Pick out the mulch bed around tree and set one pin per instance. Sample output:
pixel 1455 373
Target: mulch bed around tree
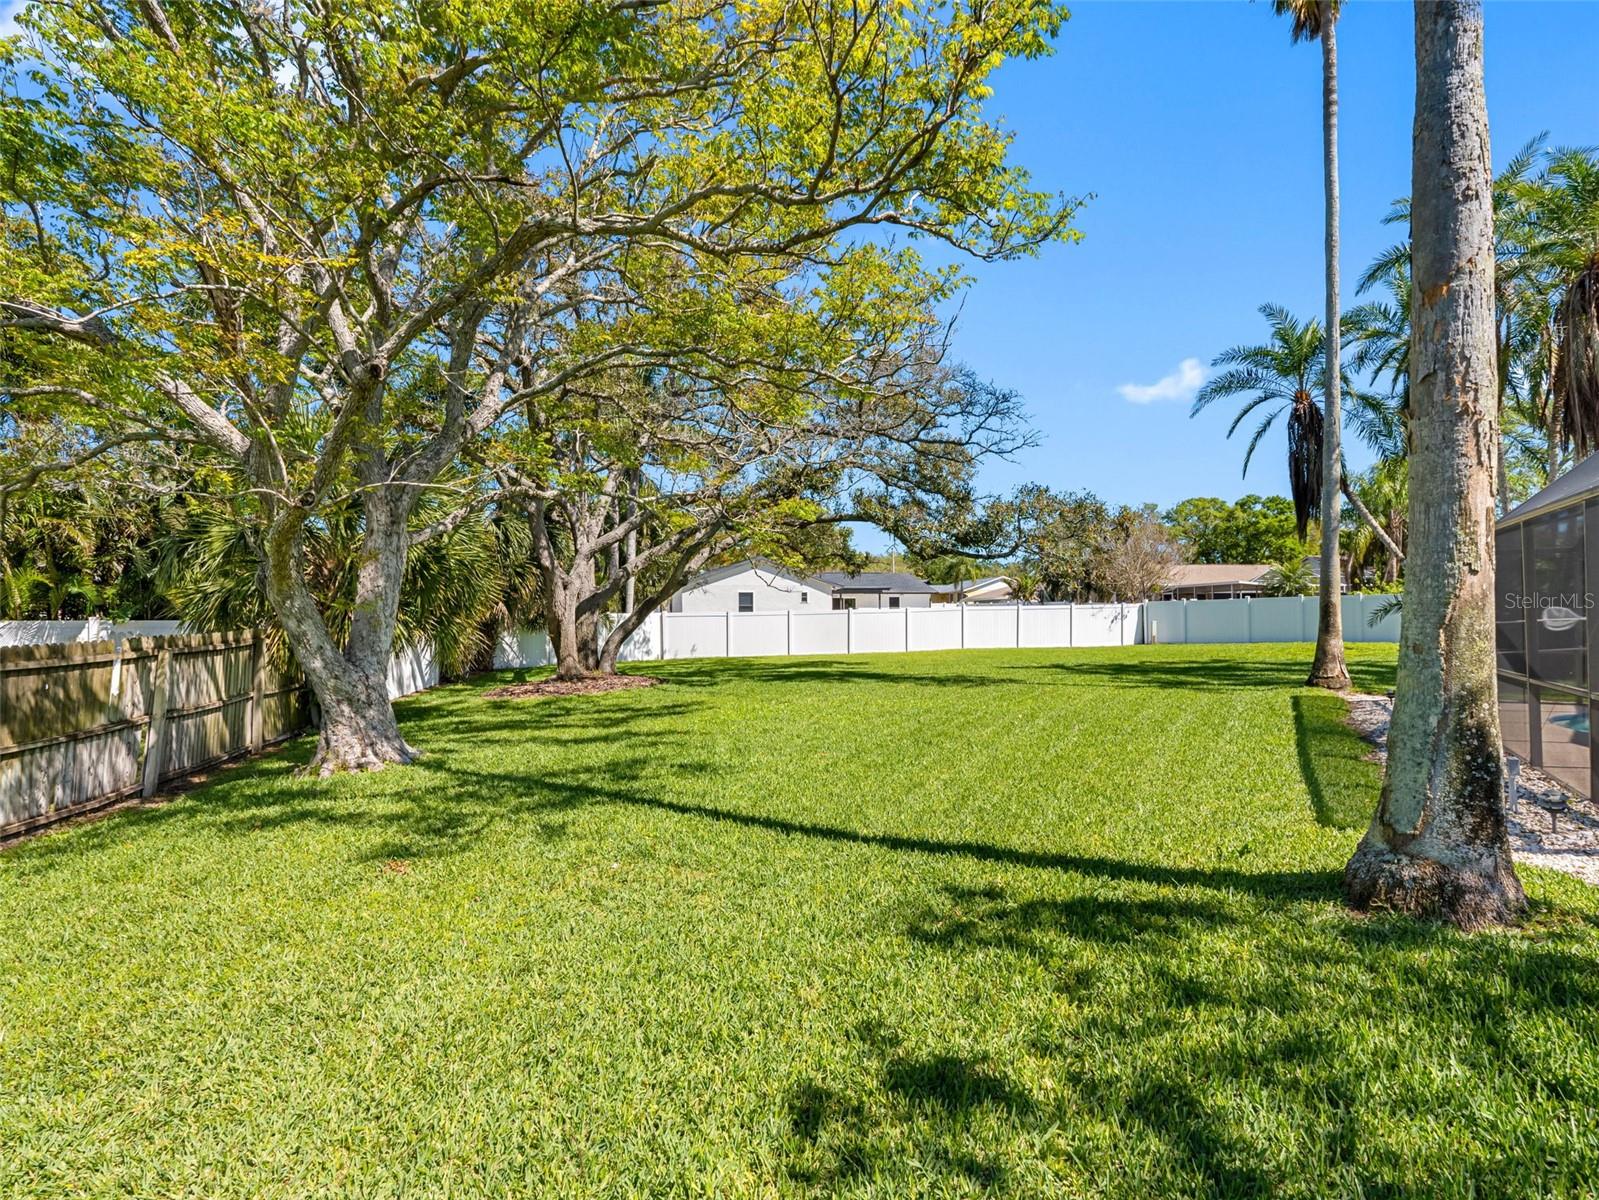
pixel 570 687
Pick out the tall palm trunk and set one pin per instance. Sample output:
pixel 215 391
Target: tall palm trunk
pixel 1328 669
pixel 1437 844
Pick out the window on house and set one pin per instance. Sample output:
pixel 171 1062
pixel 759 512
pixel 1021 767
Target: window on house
pixel 893 601
pixel 805 597
pixel 850 603
pixel 746 602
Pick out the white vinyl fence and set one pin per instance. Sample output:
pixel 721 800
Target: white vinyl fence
pixel 967 627
pixel 1267 619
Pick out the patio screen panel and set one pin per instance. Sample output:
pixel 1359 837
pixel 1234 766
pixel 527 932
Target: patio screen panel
pixel 1543 642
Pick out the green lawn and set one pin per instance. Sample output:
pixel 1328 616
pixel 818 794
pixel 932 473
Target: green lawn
pixel 1028 923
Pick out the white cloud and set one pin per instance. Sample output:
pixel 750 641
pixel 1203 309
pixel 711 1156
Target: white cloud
pixel 1181 384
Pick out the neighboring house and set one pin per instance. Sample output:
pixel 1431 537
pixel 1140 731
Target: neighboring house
pixel 878 589
pixel 995 589
pixel 754 585
pixel 1214 581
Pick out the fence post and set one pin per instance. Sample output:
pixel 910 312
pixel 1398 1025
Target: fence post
pixel 155 737
pixel 727 634
pixel 905 615
pixel 963 624
pixel 849 631
pixel 255 734
pixel 1018 625
pixel 788 646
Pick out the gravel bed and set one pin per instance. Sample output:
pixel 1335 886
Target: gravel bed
pixel 1567 842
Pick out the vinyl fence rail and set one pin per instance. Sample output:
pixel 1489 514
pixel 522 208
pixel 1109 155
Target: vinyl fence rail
pixel 83 724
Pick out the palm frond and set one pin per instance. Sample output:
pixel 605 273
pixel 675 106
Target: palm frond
pixel 1304 461
pixel 1260 432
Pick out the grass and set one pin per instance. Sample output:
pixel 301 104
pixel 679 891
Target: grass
pixel 1030 923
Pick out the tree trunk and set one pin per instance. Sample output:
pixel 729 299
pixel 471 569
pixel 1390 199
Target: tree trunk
pixel 692 557
pixel 1328 669
pixel 1552 465
pixel 1502 386
pixel 573 626
pixel 359 732
pixel 1437 845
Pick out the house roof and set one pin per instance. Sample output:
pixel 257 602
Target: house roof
pixel 1573 485
pixel 763 565
pixel 973 585
pixel 1215 574
pixel 877 581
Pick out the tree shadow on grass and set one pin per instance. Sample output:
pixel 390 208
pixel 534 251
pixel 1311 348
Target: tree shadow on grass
pixel 1179 1066
pixel 439 807
pixel 1143 667
pixel 974 917
pixel 929 1098
pixel 707 673
pixel 629 783
pixel 1335 761
pixel 1283 670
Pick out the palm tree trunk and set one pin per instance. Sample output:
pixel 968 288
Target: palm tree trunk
pixel 1437 845
pixel 1502 385
pixel 1328 669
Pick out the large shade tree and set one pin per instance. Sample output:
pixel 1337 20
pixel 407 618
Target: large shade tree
pixel 1252 529
pixel 669 472
pixel 632 479
pixel 1437 845
pixel 340 242
pixel 1062 534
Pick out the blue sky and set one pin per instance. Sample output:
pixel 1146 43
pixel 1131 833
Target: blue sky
pixel 1197 125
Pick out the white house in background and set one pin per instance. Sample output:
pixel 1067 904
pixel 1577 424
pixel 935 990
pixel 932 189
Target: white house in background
pixel 878 589
pixel 994 589
pixel 754 585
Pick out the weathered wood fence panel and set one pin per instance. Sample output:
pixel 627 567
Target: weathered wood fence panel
pixel 83 724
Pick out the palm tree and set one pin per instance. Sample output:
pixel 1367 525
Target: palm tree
pixel 1384 490
pixel 1437 845
pixel 1317 20
pixel 1278 376
pixel 1379 331
pixel 1378 335
pixel 1561 213
pixel 1291 577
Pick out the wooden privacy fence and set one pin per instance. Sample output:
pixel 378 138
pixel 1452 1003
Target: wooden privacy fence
pixel 86 723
